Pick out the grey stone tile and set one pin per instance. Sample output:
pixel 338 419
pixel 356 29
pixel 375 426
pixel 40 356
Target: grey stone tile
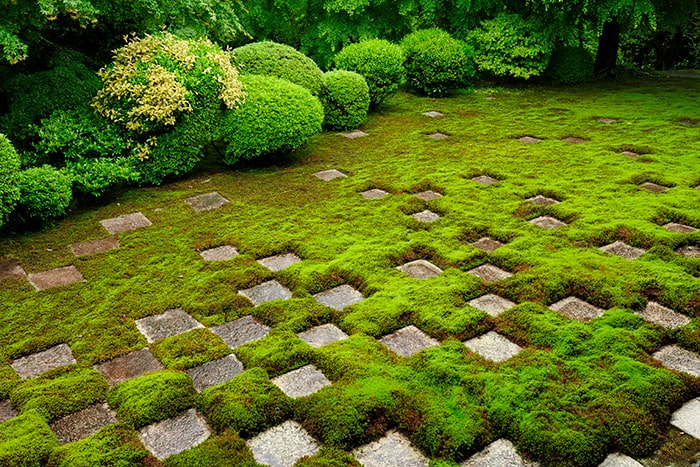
pixel 328 175
pixel 129 366
pixel 425 216
pixel 420 269
pixel 529 140
pixel 283 445
pixel 339 297
pixel 489 273
pixel 11 269
pixel 618 459
pixel 487 244
pixel 301 382
pixel 428 195
pixel 206 202
pixel 540 200
pixel 322 335
pixel 55 277
pixel 547 222
pixel 607 121
pixel 220 253
pixel 172 436
pixel 679 359
pixel 500 453
pixel 39 363
pixel 656 188
pixel 125 223
pixel 679 228
pixel 279 262
pixel 266 292
pixel 81 424
pixel 574 140
pixel 491 304
pixel 393 450
pixel 408 341
pixel 493 346
pixel 241 331
pixel 687 418
pixel 485 180
pixel 631 154
pixel 575 308
pixel 215 372
pixel 94 246
pixel 374 193
pixel 353 134
pixel 623 250
pixel 663 316
pixel 690 251
pixel 170 323
pixel 438 136
pixel 433 114
pixel 7 412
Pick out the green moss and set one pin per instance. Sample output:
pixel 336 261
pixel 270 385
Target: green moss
pixel 329 457
pixel 190 349
pixel 225 450
pixel 26 440
pixel 279 352
pixel 113 445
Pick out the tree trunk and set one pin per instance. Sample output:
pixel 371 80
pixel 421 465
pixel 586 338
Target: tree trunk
pixel 608 43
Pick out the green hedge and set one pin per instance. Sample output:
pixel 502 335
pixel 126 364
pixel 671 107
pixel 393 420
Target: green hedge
pixel 345 98
pixel 9 178
pixel 570 65
pixel 45 194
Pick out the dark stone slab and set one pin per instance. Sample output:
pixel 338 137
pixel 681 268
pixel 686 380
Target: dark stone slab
pixel 663 316
pixel 547 222
pixel 220 253
pixel 540 200
pixel 172 436
pixel 322 335
pixel 420 269
pixel 39 363
pixel 623 250
pixel 656 188
pixel 328 175
pixel 492 304
pixel 168 324
pixel 679 359
pixel 279 262
pixel 241 331
pixel 55 277
pixel 81 424
pixel 374 193
pixel 433 114
pixel 425 216
pixel 7 412
pixel 574 140
pixel 11 269
pixel 206 202
pixel 266 292
pixel 339 297
pixel 408 341
pixel 577 309
pixel 493 346
pixel 487 244
pixel 529 140
pixel 301 382
pixel 690 251
pixel 485 180
pixel 428 195
pixel 125 223
pixel 283 445
pixel 438 136
pixel 679 228
pixel 215 372
pixel 94 246
pixel 129 366
pixel 393 450
pixel 353 134
pixel 489 273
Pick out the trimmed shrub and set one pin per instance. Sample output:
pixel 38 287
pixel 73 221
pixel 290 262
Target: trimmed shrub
pixel 436 63
pixel 280 60
pixel 277 117
pixel 381 64
pixel 26 441
pixel 9 178
pixel 570 65
pixel 345 98
pixel 45 194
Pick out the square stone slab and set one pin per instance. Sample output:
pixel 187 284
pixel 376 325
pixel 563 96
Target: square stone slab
pixel 420 269
pixel 607 121
pixel 491 304
pixel 215 372
pixel 438 136
pixel 663 316
pixel 241 331
pixel 631 154
pixel 529 140
pixel 322 335
pixel 283 445
pixel 172 436
pixel 206 202
pixel 575 308
pixel 489 273
pixel 374 193
pixel 7 412
pixel 39 363
pixel 690 251
pixel 428 195
pixel 540 200
pixel 129 366
pixel 653 187
pixel 408 341
pixel 679 228
pixel 485 180
pixel 339 297
pixel 94 246
pixel 487 244
pixel 500 453
pixel 354 134
pixel 393 450
pixel 266 292
pixel 679 359
pixel 433 114
pixel 623 250
pixel 301 382
pixel 125 223
pixel 425 216
pixel 328 175
pixel 81 424
pixel 11 269
pixel 547 222
pixel 55 277
pixel 279 262
pixel 618 459
pixel 493 346
pixel 168 324
pixel 220 253
pixel 575 140
pixel 687 418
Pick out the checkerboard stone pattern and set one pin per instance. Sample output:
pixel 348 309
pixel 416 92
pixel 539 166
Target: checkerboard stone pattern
pixel 301 382
pixel 529 140
pixel 687 418
pixel 215 372
pixel 618 459
pixel 125 223
pixel 283 445
pixel 339 297
pixel 328 175
pixel 94 246
pixel 408 341
pixel 547 222
pixel 220 253
pixel 206 202
pixel 489 273
pixel 55 278
pixel 172 436
pixel 500 453
pixel 577 309
pixel 39 363
pixel 425 216
pixel 322 335
pixel 666 317
pixel 374 193
pixel 11 269
pixel 393 450
pixel 241 331
pixel 354 134
pixel 493 346
pixel 653 187
pixel 679 228
pixel 279 262
pixel 540 200
pixel 487 244
pixel 7 412
pixel 266 292
pixel 420 269
pixel 131 365
pixel 623 250
pixel 679 359
pixel 428 195
pixel 485 180
pixel 168 324
pixel 491 304
pixel 81 424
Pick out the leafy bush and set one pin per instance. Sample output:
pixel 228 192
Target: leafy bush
pixel 435 62
pixel 345 98
pixel 26 440
pixel 570 65
pixel 278 116
pixel 381 64
pixel 9 178
pixel 45 194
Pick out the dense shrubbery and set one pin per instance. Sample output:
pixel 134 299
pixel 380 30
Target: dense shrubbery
pixel 45 193
pixel 570 65
pixel 345 99
pixel 9 178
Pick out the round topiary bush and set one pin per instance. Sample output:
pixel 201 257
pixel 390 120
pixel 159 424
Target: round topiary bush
pixel 345 98
pixel 9 178
pixel 278 116
pixel 280 60
pixel 381 64
pixel 45 193
pixel 570 65
pixel 436 63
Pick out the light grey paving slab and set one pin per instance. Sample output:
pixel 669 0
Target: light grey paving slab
pixel 206 202
pixel 220 253
pixel 428 195
pixel 690 251
pixel 131 365
pixel 353 134
pixel 489 273
pixel 328 175
pixel 215 372
pixel 408 341
pixel 301 382
pixel 485 180
pixel 425 216
pixel 540 200
pixel 529 140
pixel 663 316
pixel 617 459
pixel 172 436
pixel 266 292
pixel 656 188
pixel 374 193
pixel 493 346
pixel 339 297
pixel 687 418
pixel 81 424
pixel 492 304
pixel 7 412
pixel 487 244
pixel 11 269
pixel 574 140
pixel 241 331
pixel 322 335
pixel 500 453
pixel 420 269
pixel 279 262
pixel 125 223
pixel 94 246
pixel 283 445
pixel 55 277
pixel 393 450
pixel 170 323
pixel 679 359
pixel 679 228
pixel 433 114
pixel 438 136
pixel 631 154
pixel 607 121
pixel 547 222
pixel 623 250
pixel 39 363
pixel 575 308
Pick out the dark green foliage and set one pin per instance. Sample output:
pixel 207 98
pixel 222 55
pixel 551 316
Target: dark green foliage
pixel 9 178
pixel 279 352
pixel 26 441
pixel 224 450
pixel 45 193
pixel 345 98
pixel 113 445
pixel 190 349
pixel 329 457
pixel 570 65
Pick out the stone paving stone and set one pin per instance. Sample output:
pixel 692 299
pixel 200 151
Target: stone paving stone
pixel 322 335
pixel 266 292
pixel 574 140
pixel 433 114
pixel 7 412
pixel 215 372
pixel 206 202
pixel 663 316
pixel 540 200
pixel 618 459
pixel 631 154
pixel 220 253
pixel 129 366
pixel 125 223
pixel 493 346
pixel 529 140
pixel 279 262
pixel 428 195
pixel 679 359
pixel 81 424
pixel 11 269
pixel 500 453
pixel 487 244
pixel 168 324
pixel 690 251
pixel 687 418
pixel 653 187
pixel 374 193
pixel 283 445
pixel 575 308
pixel 491 304
pixel 623 250
pixel 489 273
pixel 94 246
pixel 607 121
pixel 328 175
pixel 425 216
pixel 301 382
pixel 679 228
pixel 55 277
pixel 408 341
pixel 547 222
pixel 353 134
pixel 393 450
pixel 420 269
pixel 39 363
pixel 339 297
pixel 241 331
pixel 172 436
pixel 485 180
pixel 438 136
